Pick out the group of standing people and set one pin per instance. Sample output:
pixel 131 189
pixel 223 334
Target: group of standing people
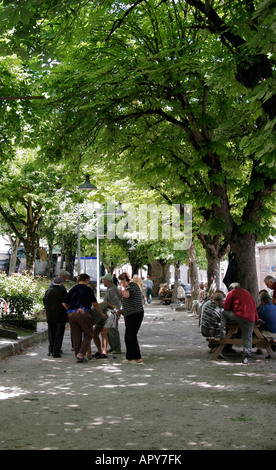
pixel 89 319
pixel 239 307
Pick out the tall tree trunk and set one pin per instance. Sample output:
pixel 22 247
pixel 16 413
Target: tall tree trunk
pixel 30 248
pixel 62 253
pixel 70 262
pixel 213 270
pixel 32 233
pixel 176 278
pixel 193 272
pixel 28 230
pixel 14 247
pixel 49 260
pixel 134 268
pixel 215 252
pixel 159 274
pixel 243 246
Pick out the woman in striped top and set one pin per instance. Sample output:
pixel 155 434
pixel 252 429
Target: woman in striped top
pixel 133 312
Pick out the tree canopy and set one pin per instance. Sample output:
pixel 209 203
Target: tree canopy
pixel 177 95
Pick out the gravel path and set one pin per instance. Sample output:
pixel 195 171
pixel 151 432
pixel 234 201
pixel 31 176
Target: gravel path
pixel 178 400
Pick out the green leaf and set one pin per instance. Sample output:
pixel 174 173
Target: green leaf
pixel 25 16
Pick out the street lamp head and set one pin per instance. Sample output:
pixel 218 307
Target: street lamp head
pixel 120 211
pixel 87 186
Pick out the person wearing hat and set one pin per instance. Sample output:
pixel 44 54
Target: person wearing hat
pixel 63 274
pixel 113 297
pixel 56 316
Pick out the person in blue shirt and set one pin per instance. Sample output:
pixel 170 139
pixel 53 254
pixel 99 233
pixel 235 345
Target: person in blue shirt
pixel 267 313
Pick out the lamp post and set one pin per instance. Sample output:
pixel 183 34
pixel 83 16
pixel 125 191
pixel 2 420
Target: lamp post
pixel 118 212
pixel 87 186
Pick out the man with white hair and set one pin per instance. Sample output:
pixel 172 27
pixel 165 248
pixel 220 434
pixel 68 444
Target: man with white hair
pixel 240 307
pixel 56 316
pixel 270 282
pixel 63 274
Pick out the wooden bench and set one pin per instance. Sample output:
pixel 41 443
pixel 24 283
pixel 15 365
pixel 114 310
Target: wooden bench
pixel 259 340
pixel 166 300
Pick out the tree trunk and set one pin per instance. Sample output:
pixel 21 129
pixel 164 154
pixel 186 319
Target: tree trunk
pixel 159 275
pixel 14 246
pixel 134 268
pixel 213 270
pixel 32 234
pixel 70 262
pixel 49 260
pixel 30 248
pixel 62 253
pixel 176 277
pixel 166 274
pixel 28 232
pixel 243 246
pixel 215 252
pixel 193 272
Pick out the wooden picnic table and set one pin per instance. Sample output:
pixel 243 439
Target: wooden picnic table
pixel 259 340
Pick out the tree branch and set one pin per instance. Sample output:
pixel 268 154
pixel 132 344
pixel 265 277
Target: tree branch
pixel 118 23
pixel 11 224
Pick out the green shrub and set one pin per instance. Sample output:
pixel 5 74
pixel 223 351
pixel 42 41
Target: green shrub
pixel 20 306
pixel 23 293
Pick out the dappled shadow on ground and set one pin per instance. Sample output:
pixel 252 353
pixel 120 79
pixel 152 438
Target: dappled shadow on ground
pixel 179 399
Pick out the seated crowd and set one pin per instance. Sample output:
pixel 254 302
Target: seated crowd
pixel 238 307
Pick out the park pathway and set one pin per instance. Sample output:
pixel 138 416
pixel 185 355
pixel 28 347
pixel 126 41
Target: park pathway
pixel 178 400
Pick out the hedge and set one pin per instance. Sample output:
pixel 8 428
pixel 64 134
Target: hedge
pixel 23 293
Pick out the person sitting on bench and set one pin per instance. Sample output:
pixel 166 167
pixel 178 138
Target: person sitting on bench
pixel 211 316
pixel 267 313
pixel 240 307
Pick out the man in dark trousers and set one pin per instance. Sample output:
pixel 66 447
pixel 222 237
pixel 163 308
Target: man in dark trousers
pixel 56 316
pixel 78 303
pixel 240 307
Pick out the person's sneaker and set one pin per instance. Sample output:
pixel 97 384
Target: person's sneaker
pixel 126 361
pixel 245 360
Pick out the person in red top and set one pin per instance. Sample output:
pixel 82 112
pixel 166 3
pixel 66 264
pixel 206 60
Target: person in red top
pixel 270 282
pixel 239 307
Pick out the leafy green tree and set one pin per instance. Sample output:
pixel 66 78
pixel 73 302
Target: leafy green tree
pixel 14 114
pixel 180 94
pixel 27 193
